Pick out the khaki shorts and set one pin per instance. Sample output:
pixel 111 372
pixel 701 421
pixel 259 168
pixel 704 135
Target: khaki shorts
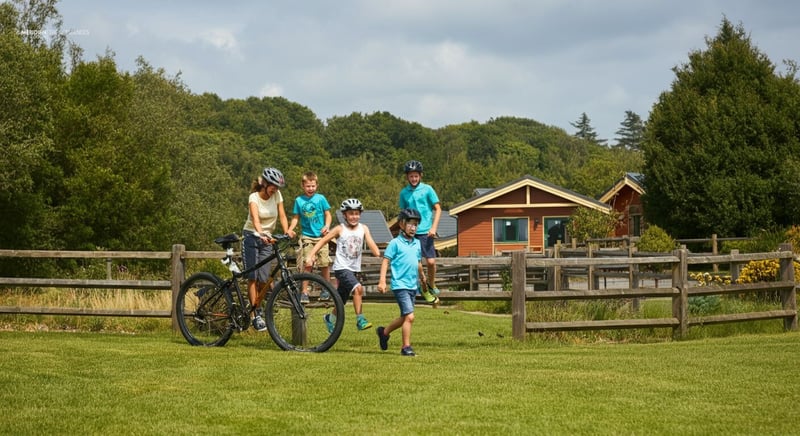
pixel 323 256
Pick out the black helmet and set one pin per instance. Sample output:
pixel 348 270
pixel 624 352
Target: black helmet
pixel 273 176
pixel 408 214
pixel 351 204
pixel 413 165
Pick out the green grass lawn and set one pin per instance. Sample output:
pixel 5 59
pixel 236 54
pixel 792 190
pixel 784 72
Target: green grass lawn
pixel 460 383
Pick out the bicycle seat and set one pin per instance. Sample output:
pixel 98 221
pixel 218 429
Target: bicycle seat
pixel 227 240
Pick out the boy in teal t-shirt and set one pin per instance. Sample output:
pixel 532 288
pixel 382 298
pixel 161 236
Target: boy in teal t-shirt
pixel 313 213
pixel 404 256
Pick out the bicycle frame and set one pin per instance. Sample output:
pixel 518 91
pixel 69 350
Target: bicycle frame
pixel 232 283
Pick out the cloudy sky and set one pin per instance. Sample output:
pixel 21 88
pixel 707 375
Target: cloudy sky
pixel 435 62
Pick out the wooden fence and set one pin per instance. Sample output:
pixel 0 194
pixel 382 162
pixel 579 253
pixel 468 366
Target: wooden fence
pixel 524 274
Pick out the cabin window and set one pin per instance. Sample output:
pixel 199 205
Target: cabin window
pixel 510 230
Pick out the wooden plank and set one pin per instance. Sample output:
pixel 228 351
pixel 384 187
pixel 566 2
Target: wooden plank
pixel 601 293
pixel 78 311
pixel 602 324
pixel 585 262
pixel 738 317
pixel 65 254
pixel 81 283
pixel 739 288
pixel 746 257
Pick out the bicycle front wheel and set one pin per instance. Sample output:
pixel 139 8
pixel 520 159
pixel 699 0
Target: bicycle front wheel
pixel 305 327
pixel 203 309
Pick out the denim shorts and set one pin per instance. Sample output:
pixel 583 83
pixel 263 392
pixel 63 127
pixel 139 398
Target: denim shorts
pixel 405 299
pixel 347 283
pixel 426 246
pixel 253 251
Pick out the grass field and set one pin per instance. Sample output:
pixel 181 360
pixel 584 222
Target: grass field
pixel 462 382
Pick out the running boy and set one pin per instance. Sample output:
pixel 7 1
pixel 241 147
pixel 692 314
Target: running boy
pixel 314 215
pixel 351 236
pixel 405 258
pixel 422 197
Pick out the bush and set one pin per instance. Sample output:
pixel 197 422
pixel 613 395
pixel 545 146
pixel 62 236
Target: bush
pixel 655 239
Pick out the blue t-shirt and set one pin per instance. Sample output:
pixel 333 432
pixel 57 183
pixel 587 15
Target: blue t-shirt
pixel 422 198
pixel 312 213
pixel 404 257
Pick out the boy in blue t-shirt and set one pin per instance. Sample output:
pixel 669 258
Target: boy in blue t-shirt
pixel 422 197
pixel 404 255
pixel 313 213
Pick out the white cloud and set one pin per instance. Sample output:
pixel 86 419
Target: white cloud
pixel 270 90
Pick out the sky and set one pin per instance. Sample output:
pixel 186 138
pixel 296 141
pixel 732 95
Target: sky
pixel 434 62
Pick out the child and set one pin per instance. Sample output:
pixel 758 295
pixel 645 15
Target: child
pixel 351 236
pixel 405 257
pixel 314 214
pixel 422 197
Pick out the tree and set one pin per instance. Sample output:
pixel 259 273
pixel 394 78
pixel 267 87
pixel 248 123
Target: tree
pixel 586 223
pixel 586 131
pixel 631 132
pixel 32 77
pixel 722 145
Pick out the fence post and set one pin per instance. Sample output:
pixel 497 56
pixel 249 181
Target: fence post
pixel 178 274
pixel 680 303
pixel 557 278
pixel 788 298
pixel 592 282
pixel 518 285
pixel 633 277
pixel 735 267
pixel 714 251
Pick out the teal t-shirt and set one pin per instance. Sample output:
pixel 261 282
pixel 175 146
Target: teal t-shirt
pixel 311 211
pixel 404 257
pixel 422 198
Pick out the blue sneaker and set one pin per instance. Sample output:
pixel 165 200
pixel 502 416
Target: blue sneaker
pixel 383 340
pixel 363 324
pixel 304 299
pixel 433 290
pixel 324 295
pixel 408 351
pixel 328 323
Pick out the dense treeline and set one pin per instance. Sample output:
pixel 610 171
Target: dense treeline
pixel 98 158
pixel 92 157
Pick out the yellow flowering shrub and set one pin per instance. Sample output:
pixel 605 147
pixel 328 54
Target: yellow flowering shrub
pixel 707 279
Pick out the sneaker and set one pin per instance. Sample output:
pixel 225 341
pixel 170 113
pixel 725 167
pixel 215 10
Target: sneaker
pixel 363 324
pixel 328 322
pixel 259 324
pixel 324 295
pixel 430 298
pixel 408 351
pixel 383 340
pixel 433 290
pixel 304 299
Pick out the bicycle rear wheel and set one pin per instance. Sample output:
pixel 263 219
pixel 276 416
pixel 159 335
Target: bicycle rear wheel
pixel 203 309
pixel 305 329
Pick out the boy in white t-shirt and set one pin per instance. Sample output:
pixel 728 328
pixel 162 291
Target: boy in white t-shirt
pixel 351 235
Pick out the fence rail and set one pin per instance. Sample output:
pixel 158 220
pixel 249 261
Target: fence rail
pixel 523 273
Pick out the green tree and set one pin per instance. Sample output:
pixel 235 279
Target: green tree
pixel 585 130
pixel 32 77
pixel 722 144
pixel 586 223
pixel 631 132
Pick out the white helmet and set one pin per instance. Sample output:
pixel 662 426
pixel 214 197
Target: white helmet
pixel 273 176
pixel 351 204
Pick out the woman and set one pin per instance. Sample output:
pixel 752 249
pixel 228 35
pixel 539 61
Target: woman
pixel 265 206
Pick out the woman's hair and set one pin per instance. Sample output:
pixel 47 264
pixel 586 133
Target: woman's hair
pixel 256 185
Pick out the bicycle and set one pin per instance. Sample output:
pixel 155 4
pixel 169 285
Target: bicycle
pixel 209 308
